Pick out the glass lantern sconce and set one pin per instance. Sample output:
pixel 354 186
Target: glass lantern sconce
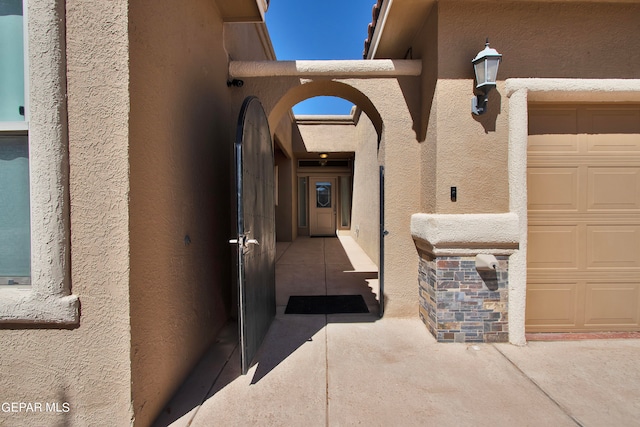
pixel 485 66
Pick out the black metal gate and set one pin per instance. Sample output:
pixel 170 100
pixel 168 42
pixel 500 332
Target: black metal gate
pixel 256 236
pixel 383 233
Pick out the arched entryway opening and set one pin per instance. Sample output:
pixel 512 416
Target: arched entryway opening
pixel 325 87
pixel 336 191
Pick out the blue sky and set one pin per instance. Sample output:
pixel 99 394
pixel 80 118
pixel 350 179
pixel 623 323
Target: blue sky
pixel 319 29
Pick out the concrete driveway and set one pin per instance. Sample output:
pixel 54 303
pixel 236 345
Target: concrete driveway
pixel 345 370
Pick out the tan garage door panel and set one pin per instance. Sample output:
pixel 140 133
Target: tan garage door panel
pixel 553 188
pixel 613 188
pixel 584 218
pixel 551 304
pixel 552 246
pixel 613 247
pixel 608 305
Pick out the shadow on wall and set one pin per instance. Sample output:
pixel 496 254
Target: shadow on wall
pixel 410 87
pixel 287 334
pixel 180 223
pixel 64 408
pixel 494 108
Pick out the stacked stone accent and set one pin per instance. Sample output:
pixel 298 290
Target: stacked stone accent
pixel 460 304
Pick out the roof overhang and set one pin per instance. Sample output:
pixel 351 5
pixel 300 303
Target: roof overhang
pixel 399 21
pixel 396 27
pixel 243 10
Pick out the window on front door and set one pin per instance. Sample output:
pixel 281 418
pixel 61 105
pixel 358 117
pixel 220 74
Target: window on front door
pixel 323 194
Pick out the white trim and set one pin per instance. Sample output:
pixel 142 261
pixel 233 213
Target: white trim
pixel 520 93
pixel 576 90
pixel 14 126
pixel 49 299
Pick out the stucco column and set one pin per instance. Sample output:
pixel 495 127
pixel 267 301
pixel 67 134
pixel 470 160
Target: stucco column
pixel 399 154
pixel 518 204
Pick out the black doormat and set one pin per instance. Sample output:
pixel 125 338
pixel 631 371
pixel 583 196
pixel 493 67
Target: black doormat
pixel 326 304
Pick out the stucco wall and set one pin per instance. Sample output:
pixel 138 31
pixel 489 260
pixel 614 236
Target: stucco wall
pixel 240 40
pixel 471 151
pixel 87 367
pixel 283 133
pixel 541 39
pixel 286 226
pixel 398 102
pixel 365 214
pixel 571 40
pixel 182 129
pixel 426 47
pixel 395 105
pixel 459 149
pixel 330 138
pixel 557 40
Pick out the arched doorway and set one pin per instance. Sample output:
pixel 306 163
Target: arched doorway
pixel 336 161
pixel 386 92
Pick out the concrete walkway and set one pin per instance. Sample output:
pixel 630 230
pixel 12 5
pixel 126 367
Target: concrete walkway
pixel 343 370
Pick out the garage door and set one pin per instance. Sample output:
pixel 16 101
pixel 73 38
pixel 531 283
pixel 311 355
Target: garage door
pixel 583 260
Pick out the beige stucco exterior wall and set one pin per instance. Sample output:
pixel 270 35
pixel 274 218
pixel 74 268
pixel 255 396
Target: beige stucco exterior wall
pixel 471 151
pixel 394 103
pixel 330 138
pixel 572 41
pixel 365 214
pixel 183 126
pixel 342 135
pixel 286 228
pixel 286 208
pixel 426 47
pixel 248 41
pixel 283 132
pixel 398 102
pixel 87 366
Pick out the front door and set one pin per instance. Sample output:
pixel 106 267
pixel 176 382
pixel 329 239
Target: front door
pixel 256 235
pixel 322 209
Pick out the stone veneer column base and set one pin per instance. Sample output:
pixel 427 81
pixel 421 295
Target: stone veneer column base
pixel 460 304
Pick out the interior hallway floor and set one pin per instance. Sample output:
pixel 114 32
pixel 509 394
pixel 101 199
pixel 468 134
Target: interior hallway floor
pixel 346 369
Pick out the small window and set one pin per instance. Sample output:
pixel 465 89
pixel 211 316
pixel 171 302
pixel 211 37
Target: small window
pixel 345 201
pixel 324 163
pixel 323 194
pixel 302 202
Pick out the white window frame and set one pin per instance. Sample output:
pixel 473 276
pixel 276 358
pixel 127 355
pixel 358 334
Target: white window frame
pixel 48 300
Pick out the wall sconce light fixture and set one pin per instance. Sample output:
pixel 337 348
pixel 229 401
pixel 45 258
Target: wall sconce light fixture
pixel 323 155
pixel 485 66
